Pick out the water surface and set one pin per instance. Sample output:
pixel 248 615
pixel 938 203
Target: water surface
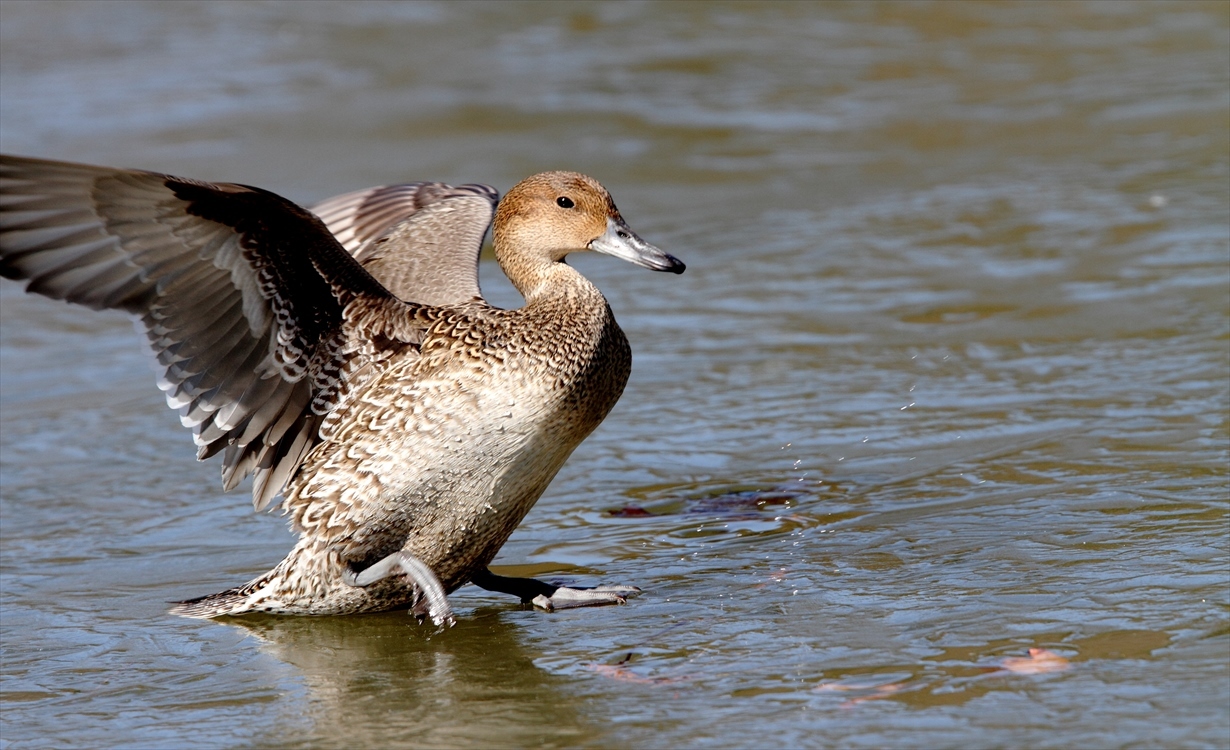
pixel 947 379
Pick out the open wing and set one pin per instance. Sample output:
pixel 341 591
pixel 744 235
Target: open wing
pixel 421 240
pixel 256 314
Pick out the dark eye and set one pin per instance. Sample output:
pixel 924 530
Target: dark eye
pixel 564 202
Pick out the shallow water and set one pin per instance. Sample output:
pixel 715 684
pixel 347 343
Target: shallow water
pixel 947 379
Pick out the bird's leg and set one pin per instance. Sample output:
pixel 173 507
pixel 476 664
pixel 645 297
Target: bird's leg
pixel 549 597
pixel 434 602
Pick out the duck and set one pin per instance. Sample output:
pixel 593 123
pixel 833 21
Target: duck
pixel 344 357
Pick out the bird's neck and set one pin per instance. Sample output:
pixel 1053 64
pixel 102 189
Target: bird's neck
pixel 539 273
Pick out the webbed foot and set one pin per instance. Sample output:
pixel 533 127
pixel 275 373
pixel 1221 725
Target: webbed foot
pixel 434 602
pixel 546 596
pixel 566 598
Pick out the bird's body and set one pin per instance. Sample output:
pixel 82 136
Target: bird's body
pixel 443 453
pixel 397 432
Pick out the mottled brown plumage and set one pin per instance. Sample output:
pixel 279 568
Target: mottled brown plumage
pixel 409 425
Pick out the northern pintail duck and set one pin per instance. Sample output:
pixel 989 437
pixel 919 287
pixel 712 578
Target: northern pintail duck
pixel 347 361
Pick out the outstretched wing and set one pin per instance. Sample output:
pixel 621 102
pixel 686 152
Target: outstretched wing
pixel 255 312
pixel 421 240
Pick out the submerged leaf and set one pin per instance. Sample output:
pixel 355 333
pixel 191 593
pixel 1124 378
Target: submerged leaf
pixel 1039 661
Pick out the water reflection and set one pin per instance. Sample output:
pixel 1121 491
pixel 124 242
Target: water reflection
pixel 382 681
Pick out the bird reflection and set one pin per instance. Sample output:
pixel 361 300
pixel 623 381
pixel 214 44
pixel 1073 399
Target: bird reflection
pixel 381 680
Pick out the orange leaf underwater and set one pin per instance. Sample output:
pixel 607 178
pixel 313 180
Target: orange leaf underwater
pixel 1039 661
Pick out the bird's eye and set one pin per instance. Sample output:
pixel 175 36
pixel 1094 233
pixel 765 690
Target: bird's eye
pixel 564 202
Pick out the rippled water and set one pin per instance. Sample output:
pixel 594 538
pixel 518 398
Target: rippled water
pixel 947 379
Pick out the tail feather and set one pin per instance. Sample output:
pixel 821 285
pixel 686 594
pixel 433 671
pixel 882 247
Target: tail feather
pixel 253 596
pixel 307 582
pixel 234 601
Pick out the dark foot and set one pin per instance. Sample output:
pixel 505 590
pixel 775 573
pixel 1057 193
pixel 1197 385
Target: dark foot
pixel 548 597
pixel 433 603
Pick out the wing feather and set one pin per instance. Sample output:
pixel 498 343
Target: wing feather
pixel 421 240
pixel 246 299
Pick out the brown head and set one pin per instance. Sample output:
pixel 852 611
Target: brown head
pixel 549 215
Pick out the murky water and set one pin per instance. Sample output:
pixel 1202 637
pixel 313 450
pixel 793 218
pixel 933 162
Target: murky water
pixel 947 379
